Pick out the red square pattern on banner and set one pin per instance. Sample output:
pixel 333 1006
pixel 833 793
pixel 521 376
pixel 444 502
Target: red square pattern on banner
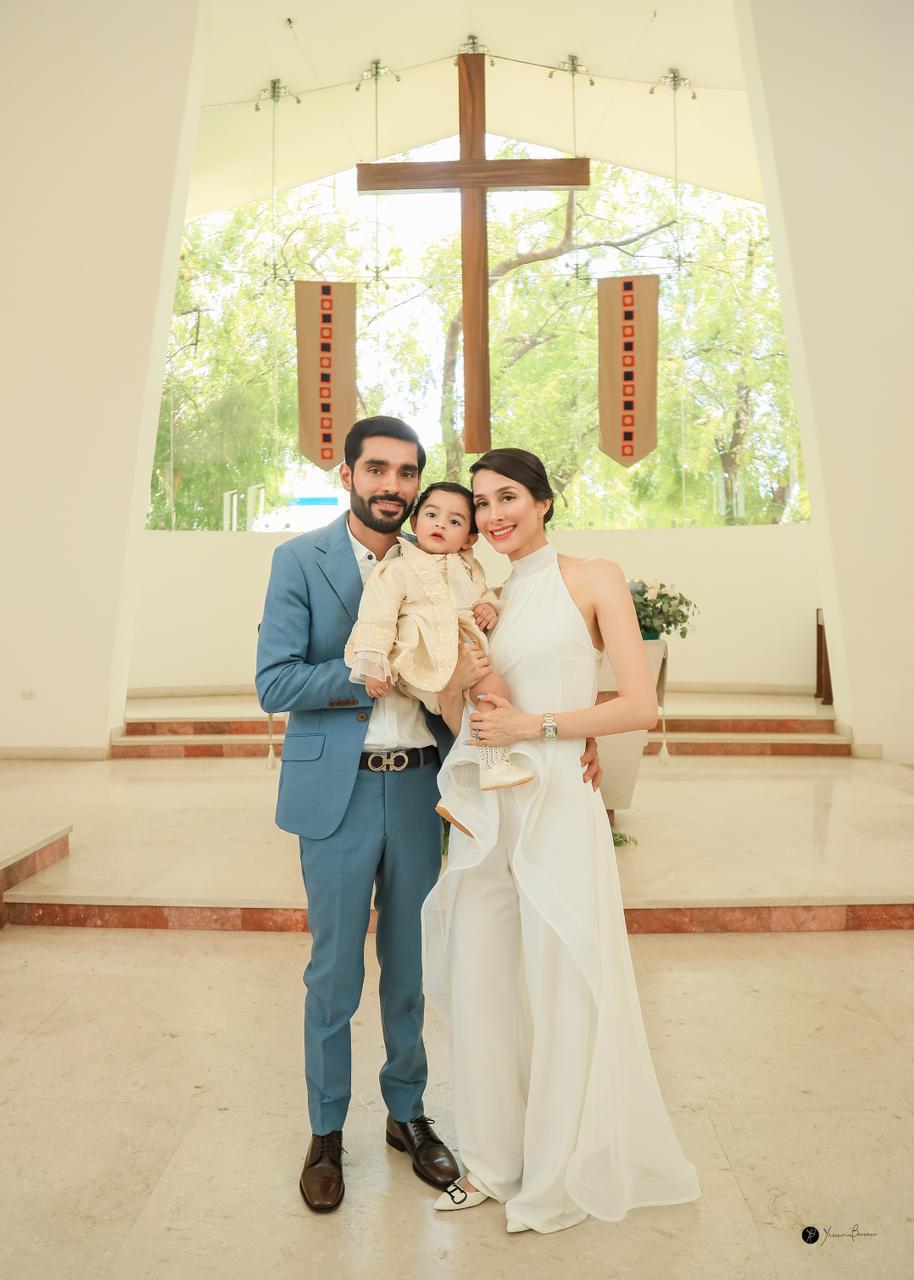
pixel 326 306
pixel 627 295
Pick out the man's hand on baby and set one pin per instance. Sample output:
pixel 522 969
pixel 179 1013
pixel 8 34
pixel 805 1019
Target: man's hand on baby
pixel 486 616
pixel 472 666
pixel 377 688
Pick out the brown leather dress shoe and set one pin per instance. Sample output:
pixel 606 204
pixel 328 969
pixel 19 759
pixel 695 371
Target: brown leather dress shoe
pixel 432 1161
pixel 321 1182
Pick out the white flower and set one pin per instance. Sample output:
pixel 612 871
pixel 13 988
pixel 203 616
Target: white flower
pixel 651 594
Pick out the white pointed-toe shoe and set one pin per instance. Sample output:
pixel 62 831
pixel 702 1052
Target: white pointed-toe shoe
pixel 514 1226
pixel 457 1197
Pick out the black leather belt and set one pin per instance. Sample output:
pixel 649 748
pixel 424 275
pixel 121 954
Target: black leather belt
pixel 395 760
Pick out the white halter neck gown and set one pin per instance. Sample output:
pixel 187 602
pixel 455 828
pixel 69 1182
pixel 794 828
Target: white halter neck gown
pixel 525 952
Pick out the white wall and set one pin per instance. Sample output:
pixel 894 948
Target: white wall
pixel 101 105
pixel 201 597
pixel 829 85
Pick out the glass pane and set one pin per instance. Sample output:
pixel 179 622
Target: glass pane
pixel 728 443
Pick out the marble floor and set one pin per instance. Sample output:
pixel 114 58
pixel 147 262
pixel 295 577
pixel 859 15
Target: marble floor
pixel 711 831
pixel 152 1121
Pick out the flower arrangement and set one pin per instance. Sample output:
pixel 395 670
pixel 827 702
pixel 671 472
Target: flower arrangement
pixel 661 608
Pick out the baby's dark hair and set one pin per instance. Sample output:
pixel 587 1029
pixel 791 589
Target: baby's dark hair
pixel 449 486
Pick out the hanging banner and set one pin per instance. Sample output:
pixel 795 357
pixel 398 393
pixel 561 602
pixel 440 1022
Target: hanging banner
pixel 627 309
pixel 325 341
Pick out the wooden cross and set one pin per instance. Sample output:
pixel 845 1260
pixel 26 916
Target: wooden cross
pixel 472 175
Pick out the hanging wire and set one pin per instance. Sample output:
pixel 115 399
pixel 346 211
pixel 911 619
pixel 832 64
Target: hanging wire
pixel 616 83
pixel 575 67
pixel 376 69
pixel 675 81
pixel 377 156
pixel 676 187
pixel 682 369
pixel 577 390
pixel 275 294
pixel 273 190
pixel 377 124
pixel 290 25
pixel 574 113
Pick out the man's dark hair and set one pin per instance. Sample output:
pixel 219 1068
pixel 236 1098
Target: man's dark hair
pixel 449 486
pixel 524 467
pixel 380 426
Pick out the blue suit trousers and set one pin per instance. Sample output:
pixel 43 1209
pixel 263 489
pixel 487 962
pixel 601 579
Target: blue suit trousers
pixel 388 843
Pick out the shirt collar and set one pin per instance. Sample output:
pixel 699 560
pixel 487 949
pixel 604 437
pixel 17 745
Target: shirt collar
pixel 362 552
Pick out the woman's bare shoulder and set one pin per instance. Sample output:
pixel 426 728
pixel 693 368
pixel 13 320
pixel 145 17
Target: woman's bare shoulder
pixel 597 570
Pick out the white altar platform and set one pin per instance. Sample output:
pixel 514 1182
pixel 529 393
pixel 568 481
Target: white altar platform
pixel 711 831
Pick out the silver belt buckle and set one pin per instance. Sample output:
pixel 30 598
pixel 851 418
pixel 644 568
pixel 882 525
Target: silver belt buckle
pixel 388 761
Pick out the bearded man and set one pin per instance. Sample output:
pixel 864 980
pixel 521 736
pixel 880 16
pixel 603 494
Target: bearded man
pixel 358 787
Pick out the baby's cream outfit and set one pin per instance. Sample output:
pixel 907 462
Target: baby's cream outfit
pixel 414 609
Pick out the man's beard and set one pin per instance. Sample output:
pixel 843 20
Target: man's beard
pixel 373 519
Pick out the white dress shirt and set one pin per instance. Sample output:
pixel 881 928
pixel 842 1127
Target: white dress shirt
pixel 396 720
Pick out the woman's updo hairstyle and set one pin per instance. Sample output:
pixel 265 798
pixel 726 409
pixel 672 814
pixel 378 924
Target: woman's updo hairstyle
pixel 522 466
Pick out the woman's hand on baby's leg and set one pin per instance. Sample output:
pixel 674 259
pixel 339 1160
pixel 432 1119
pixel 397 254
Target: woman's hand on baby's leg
pixel 377 688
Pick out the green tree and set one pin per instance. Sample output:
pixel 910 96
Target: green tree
pixel 728 445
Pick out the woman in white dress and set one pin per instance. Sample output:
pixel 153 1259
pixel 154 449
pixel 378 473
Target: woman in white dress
pixel 557 1107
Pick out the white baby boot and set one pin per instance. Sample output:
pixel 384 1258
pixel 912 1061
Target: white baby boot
pixel 497 771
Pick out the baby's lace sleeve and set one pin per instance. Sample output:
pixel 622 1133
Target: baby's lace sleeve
pixel 369 666
pixel 373 636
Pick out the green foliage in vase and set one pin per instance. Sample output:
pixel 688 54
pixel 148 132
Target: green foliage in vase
pixel 662 608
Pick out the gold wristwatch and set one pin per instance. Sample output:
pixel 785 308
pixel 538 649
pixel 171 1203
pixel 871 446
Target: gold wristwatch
pixel 550 728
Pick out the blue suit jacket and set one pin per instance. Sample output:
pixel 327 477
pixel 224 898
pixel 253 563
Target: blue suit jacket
pixel 311 605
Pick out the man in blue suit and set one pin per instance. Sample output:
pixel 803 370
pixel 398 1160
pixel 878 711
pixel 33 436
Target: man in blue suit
pixel 358 787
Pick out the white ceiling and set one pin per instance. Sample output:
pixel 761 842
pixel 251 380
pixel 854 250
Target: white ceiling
pixel 625 44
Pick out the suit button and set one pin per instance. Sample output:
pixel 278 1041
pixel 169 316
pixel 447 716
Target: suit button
pixel 363 715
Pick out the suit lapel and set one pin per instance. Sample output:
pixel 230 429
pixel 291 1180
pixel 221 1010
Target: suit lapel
pixel 338 564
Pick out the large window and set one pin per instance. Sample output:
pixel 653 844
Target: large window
pixel 728 445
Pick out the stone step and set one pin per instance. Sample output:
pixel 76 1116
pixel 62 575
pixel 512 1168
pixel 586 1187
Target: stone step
pixel 167 727
pixel 751 917
pixel 191 746
pixel 24 851
pixel 748 744
pixel 749 724
pixel 199 746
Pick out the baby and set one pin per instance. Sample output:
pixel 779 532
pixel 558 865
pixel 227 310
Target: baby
pixel 417 607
